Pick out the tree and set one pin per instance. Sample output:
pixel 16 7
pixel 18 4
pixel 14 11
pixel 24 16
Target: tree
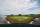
pixel 32 15
pixel 8 16
pixel 26 15
pixel 19 14
pixel 11 14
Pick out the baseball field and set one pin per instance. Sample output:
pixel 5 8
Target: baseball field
pixel 19 19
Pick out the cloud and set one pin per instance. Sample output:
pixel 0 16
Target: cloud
pixel 36 11
pixel 16 6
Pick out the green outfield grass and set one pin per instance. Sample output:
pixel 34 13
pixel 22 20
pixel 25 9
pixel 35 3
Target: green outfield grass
pixel 16 19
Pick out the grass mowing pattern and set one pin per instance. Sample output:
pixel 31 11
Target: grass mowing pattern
pixel 25 20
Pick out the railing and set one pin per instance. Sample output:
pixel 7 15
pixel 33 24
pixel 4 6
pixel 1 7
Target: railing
pixel 18 25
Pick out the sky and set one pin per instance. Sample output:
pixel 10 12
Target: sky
pixel 8 7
